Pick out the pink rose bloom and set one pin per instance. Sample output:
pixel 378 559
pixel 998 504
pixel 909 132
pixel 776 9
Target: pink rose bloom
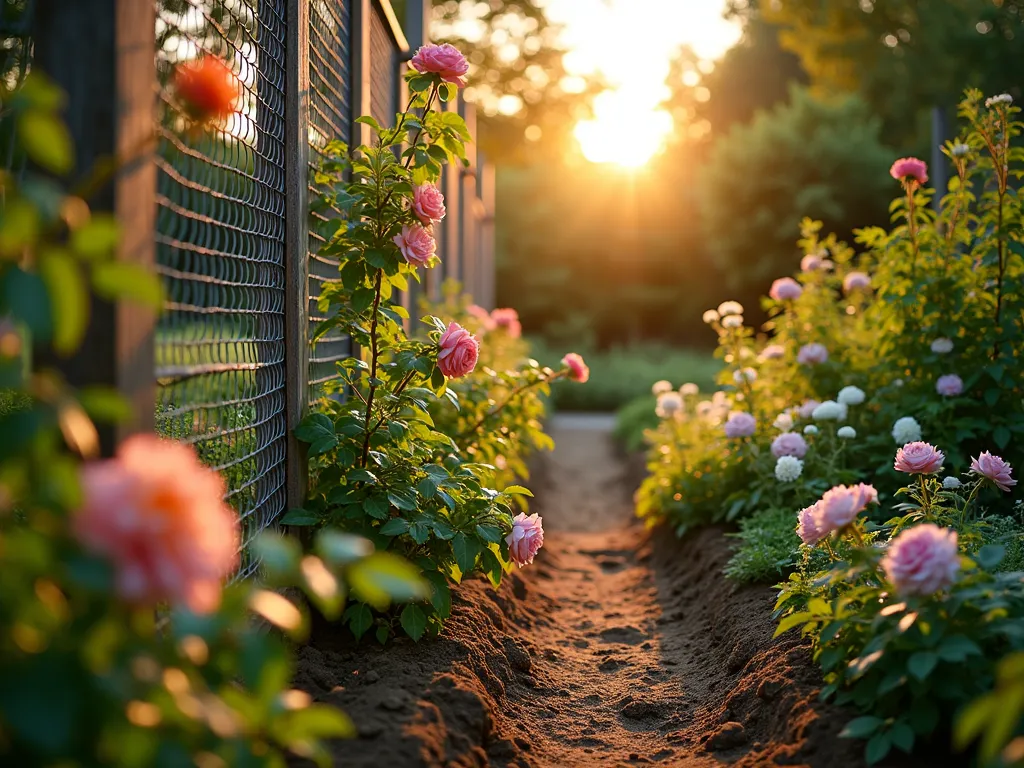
pixel 526 539
pixel 789 444
pixel 740 424
pixel 159 515
pixel 416 244
pixel 444 60
pixel 856 281
pixel 919 459
pixel 785 289
pixel 841 505
pixel 910 168
pixel 812 354
pixel 773 352
pixel 428 203
pixel 810 263
pixel 949 385
pixel 922 560
pixel 995 469
pixel 481 314
pixel 459 352
pixel 807 409
pixel 578 370
pixel 509 320
pixel 807 527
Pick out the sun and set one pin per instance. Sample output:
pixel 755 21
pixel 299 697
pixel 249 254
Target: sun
pixel 623 132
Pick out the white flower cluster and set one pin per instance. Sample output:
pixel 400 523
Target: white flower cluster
pixel 830 410
pixel 670 405
pixel 942 346
pixel 851 396
pixel 661 387
pixel 689 388
pixel 810 429
pixel 1002 98
pixel 951 483
pixel 788 469
pixel 906 430
pixel 846 433
pixel 784 421
pixel 959 149
pixel 742 375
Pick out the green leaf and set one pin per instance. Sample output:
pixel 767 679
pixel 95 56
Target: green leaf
pixel 957 648
pixel 921 663
pixel 489 533
pixel 383 577
pixel 104 404
pixel 46 140
pixel 315 427
pixel 396 526
pixel 342 548
pixel 466 550
pixel 419 531
pixel 377 507
pixel 990 555
pixel 19 227
pixel 359 618
pixel 317 721
pixel 97 238
pixel 298 517
pixel 792 620
pixel 414 621
pixel 383 633
pixel 491 566
pixel 902 736
pixel 426 487
pixel 440 593
pixel 69 300
pixel 861 727
pixel 878 747
pixel 26 297
pixel 123 280
pixel 518 490
pixel 1001 436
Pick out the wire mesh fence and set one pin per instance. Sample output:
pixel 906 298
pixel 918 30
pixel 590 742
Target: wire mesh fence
pixel 15 58
pixel 220 356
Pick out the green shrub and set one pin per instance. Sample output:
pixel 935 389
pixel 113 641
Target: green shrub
pixel 768 547
pixel 633 420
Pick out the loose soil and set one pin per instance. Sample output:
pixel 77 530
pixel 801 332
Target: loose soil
pixel 618 647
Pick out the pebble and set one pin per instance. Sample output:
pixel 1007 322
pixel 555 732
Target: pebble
pixel 371 677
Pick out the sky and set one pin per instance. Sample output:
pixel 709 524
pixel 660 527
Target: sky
pixel 630 43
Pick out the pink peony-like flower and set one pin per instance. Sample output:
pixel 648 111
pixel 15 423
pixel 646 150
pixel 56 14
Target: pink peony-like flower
pixel 919 458
pixel 428 203
pixel 740 424
pixel 807 527
pixel 949 385
pixel 459 352
pixel 445 60
pixel 910 168
pixel 508 319
pixel 159 515
pixel 812 354
pixel 479 313
pixel 578 370
pixel 772 352
pixel 922 560
pixel 526 539
pixel 856 281
pixel 789 444
pixel 810 263
pixel 840 505
pixel 416 244
pixel 807 409
pixel 786 289
pixel 994 468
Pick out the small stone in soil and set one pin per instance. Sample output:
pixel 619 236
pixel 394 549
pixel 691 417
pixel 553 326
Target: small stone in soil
pixel 728 736
pixel 371 677
pixel 523 744
pixel 392 701
pixel 769 689
pixel 581 643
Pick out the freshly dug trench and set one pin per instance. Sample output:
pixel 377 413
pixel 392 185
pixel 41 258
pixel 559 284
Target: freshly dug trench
pixel 618 647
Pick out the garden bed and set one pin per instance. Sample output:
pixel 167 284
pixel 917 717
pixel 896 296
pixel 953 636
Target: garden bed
pixel 618 646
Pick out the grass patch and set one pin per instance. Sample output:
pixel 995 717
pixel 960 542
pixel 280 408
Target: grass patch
pixel 768 547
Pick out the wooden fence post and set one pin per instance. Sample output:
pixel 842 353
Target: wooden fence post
pixel 296 243
pixel 487 236
pixel 102 54
pixel 362 80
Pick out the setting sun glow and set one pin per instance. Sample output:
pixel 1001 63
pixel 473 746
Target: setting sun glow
pixel 630 44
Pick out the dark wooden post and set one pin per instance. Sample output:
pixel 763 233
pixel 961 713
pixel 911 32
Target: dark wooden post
pixel 296 242
pixel 102 54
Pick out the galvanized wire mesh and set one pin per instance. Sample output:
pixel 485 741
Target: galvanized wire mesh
pixel 15 58
pixel 220 354
pixel 330 118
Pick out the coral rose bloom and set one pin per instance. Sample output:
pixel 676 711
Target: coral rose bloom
pixel 919 458
pixel 416 244
pixel 159 515
pixel 481 314
pixel 922 560
pixel 994 468
pixel 785 289
pixel 444 60
pixel 526 539
pixel 508 319
pixel 459 352
pixel 428 203
pixel 207 89
pixel 910 168
pixel 578 370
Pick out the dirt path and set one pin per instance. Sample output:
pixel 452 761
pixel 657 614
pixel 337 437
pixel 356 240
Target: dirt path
pixel 618 647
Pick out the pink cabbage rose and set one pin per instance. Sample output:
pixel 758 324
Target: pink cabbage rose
pixel 789 444
pixel 919 458
pixel 949 385
pixel 159 515
pixel 841 504
pixel 740 424
pixel 910 168
pixel 785 289
pixel 508 319
pixel 459 352
pixel 995 469
pixel 444 60
pixel 481 314
pixel 428 203
pixel 922 560
pixel 526 539
pixel 416 244
pixel 807 527
pixel 856 281
pixel 578 370
pixel 812 354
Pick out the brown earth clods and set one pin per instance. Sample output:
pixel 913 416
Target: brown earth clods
pixel 617 647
